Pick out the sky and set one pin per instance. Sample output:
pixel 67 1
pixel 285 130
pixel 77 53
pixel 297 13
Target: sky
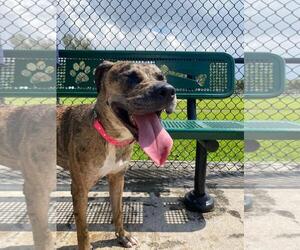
pixel 192 25
pixel 180 25
pixel 35 18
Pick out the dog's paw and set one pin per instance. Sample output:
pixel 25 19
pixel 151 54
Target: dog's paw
pixel 127 240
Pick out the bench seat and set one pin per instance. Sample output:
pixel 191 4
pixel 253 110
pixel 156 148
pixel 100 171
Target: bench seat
pixel 232 130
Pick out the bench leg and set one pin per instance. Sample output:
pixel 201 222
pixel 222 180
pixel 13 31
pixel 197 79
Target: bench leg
pixel 250 146
pixel 197 199
pixel 248 202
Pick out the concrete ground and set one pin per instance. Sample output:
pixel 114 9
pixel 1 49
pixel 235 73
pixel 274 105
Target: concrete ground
pixel 273 222
pixel 155 215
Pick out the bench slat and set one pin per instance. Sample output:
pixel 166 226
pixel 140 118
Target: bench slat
pixel 232 130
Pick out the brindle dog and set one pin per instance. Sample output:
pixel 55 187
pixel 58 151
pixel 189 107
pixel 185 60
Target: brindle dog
pixel 125 90
pixel 28 144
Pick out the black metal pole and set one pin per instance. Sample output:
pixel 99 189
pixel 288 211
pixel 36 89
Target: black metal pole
pixel 201 154
pixel 200 170
pixel 191 109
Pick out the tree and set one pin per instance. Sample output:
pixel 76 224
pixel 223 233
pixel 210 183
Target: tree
pixel 23 41
pixel 71 42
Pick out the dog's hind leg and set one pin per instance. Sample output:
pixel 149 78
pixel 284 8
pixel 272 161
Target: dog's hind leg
pixel 37 202
pixel 116 185
pixel 39 173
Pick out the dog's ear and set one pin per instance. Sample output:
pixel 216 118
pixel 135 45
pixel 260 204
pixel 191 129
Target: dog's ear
pixel 100 72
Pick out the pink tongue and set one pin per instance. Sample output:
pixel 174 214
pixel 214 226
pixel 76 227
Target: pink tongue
pixel 153 138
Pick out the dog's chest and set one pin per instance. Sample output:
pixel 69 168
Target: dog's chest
pixel 111 164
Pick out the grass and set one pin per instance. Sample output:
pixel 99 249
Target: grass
pixel 235 108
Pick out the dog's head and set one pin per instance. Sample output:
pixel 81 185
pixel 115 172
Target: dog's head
pixel 137 94
pixel 132 89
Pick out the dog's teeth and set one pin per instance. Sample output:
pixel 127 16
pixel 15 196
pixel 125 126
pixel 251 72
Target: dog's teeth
pixel 132 120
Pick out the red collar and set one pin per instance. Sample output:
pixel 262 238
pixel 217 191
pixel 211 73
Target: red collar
pixel 100 129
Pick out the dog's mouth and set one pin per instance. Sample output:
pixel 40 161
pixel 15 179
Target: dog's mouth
pixel 147 131
pixel 129 119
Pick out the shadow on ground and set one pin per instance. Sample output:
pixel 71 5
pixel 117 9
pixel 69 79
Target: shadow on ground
pixel 98 244
pixel 148 212
pixel 24 247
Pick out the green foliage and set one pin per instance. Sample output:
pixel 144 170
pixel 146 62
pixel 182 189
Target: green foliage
pixel 239 85
pixel 293 84
pixel 22 41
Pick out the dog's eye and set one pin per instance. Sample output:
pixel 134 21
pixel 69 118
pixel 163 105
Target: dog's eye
pixel 133 77
pixel 160 77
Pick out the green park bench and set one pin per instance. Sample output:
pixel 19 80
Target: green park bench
pixel 195 75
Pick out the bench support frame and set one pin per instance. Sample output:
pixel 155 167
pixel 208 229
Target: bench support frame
pixel 197 199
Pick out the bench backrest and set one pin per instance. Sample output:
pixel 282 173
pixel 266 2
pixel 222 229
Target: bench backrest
pixel 194 74
pixel 264 75
pixel 28 73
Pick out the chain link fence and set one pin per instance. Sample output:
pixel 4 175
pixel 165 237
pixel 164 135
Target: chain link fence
pixel 164 25
pixel 177 25
pixel 273 26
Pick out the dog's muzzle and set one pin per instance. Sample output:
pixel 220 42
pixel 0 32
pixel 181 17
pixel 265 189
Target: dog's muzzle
pixel 160 96
pixel 164 90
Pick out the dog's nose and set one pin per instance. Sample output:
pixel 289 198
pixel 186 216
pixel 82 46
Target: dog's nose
pixel 166 91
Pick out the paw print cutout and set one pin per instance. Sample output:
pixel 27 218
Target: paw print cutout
pixel 164 69
pixel 201 79
pixel 80 72
pixel 38 72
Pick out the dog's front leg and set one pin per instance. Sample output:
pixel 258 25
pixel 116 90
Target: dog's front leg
pixel 116 185
pixel 80 203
